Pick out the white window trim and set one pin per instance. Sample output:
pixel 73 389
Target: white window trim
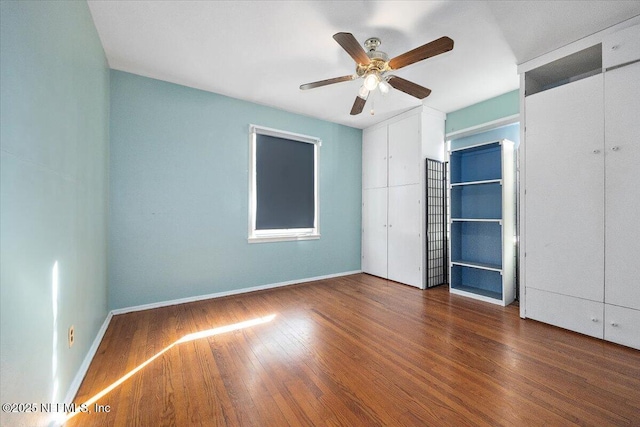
pixel 290 234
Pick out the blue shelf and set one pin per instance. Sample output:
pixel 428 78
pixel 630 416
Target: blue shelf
pixel 479 163
pixel 483 282
pixel 482 222
pixel 476 242
pixel 481 201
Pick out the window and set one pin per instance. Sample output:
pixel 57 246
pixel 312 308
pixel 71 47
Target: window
pixel 283 180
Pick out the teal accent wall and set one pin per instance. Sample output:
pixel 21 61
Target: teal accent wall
pixel 510 132
pixel 483 112
pixel 54 142
pixel 179 181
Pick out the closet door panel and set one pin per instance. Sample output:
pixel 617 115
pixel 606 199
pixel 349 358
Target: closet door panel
pixel 564 192
pixel 405 154
pixel 622 130
pixel 374 231
pixel 374 158
pixel 405 244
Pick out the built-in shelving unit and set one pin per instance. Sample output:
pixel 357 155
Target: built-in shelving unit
pixel 482 223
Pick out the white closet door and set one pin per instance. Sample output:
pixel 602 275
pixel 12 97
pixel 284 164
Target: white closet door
pixel 374 158
pixel 405 244
pixel 564 221
pixel 405 151
pixel 622 127
pixel 374 231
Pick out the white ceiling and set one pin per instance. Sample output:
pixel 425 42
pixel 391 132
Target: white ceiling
pixel 262 51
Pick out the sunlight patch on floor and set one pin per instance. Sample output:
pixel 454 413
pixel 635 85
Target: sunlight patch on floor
pixel 187 338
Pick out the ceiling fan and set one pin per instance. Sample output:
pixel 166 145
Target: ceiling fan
pixel 374 67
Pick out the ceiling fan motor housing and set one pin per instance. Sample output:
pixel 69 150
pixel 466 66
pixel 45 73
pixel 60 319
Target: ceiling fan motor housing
pixel 378 64
pixel 372 43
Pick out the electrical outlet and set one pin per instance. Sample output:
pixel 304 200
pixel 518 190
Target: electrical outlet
pixel 71 336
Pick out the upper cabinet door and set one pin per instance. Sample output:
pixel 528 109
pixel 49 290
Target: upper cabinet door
pixel 374 158
pixel 405 151
pixel 564 219
pixel 622 169
pixel 621 47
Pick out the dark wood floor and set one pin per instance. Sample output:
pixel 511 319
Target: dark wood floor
pixel 357 351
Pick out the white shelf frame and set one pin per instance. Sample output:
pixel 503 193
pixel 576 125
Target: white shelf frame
pixel 507 225
pixel 487 181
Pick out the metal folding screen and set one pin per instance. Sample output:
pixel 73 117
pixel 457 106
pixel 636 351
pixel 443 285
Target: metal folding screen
pixel 437 271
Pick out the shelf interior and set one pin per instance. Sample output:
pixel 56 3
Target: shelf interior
pixel 479 163
pixel 482 282
pixel 483 292
pixel 477 242
pixel 480 201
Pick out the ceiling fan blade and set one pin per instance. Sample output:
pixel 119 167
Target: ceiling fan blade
pixel 327 82
pixel 358 106
pixel 353 48
pixel 408 87
pixel 436 47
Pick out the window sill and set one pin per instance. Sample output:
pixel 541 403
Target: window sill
pixel 282 238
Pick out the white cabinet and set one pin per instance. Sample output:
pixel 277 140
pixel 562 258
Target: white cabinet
pixel 393 195
pixel 374 222
pixel 621 47
pixel 374 155
pixel 577 314
pixel 581 203
pixel 622 325
pixel 565 189
pixel 405 235
pixel 622 153
pixel 405 152
pixel 392 235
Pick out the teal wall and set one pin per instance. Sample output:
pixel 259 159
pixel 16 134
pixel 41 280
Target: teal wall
pixel 178 223
pixel 483 112
pixel 510 132
pixel 54 91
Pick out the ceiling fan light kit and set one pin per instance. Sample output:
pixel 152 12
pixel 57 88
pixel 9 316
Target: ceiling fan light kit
pixel 374 66
pixel 371 81
pixel 363 92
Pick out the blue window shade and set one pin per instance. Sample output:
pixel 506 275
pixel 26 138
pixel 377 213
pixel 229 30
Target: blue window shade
pixel 284 183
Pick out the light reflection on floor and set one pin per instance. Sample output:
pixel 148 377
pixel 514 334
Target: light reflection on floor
pixel 187 338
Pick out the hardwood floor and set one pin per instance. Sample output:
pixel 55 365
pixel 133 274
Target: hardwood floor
pixel 356 351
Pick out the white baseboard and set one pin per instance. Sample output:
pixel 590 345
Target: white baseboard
pixel 226 293
pixel 82 371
